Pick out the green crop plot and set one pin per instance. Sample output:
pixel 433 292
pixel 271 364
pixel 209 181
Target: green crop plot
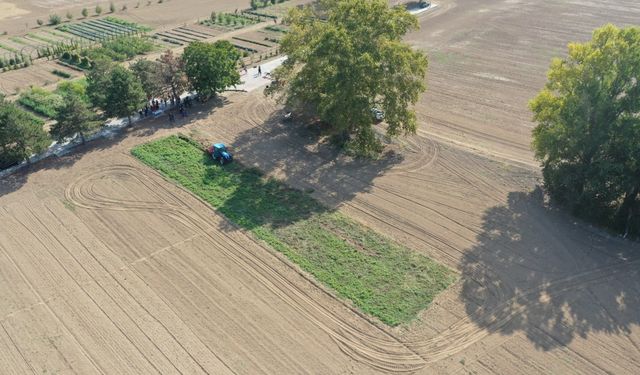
pixel 382 278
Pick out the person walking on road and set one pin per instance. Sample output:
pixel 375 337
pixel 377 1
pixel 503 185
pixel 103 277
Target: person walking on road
pixel 259 71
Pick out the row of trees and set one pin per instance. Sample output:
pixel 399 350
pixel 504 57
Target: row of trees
pixel 206 68
pixel 55 19
pixel 117 91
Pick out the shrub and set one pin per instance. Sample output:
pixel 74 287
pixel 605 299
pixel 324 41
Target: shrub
pixel 112 7
pixel 39 22
pixel 66 55
pixel 98 9
pixel 60 73
pixel 54 19
pixel 85 12
pixel 69 16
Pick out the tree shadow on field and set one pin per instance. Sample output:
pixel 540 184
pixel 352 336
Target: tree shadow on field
pixel 297 153
pixel 530 254
pixel 16 180
pixel 198 111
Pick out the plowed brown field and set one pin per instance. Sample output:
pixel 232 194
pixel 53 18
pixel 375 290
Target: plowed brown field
pixel 105 267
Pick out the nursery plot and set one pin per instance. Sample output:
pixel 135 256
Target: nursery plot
pixel 100 29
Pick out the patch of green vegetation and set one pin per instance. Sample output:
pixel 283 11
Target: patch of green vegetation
pixel 231 20
pixel 69 205
pixel 41 101
pixel 60 73
pixel 76 86
pixel 8 48
pixel 55 33
pixel 277 29
pixel 382 278
pixel 47 103
pixel 41 38
pixel 132 25
pixel 121 49
pixel 21 41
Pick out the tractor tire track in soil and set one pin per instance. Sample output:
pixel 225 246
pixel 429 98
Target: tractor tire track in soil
pixel 381 351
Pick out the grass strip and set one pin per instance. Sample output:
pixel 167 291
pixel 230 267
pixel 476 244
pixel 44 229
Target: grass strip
pixel 382 278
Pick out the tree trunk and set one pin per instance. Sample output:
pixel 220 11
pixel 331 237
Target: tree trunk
pixel 82 137
pixel 129 118
pixel 625 211
pixel 175 95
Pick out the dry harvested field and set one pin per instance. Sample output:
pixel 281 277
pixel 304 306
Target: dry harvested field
pixel 105 267
pixel 17 16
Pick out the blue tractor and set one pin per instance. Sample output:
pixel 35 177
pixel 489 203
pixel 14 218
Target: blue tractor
pixel 219 152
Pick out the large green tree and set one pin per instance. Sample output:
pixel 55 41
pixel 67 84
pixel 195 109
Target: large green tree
pixel 149 73
pixel 74 117
pixel 124 93
pixel 588 132
pixel 211 67
pixel 20 135
pixel 98 81
pixel 346 57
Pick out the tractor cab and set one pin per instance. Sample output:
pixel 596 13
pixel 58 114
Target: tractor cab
pixel 220 153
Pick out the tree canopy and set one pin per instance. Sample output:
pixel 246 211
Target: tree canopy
pixel 74 117
pixel 211 67
pixel 21 135
pixel 149 74
pixel 172 73
pixel 588 132
pixel 98 81
pixel 161 77
pixel 115 89
pixel 124 93
pixel 345 58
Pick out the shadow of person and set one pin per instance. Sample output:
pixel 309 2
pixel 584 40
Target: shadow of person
pixel 557 279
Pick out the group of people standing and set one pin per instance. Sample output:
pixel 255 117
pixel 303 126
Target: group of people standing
pixel 155 105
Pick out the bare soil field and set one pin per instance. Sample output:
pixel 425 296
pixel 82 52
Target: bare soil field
pixel 18 16
pixel 105 267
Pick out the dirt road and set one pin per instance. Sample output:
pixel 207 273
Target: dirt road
pixel 107 268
